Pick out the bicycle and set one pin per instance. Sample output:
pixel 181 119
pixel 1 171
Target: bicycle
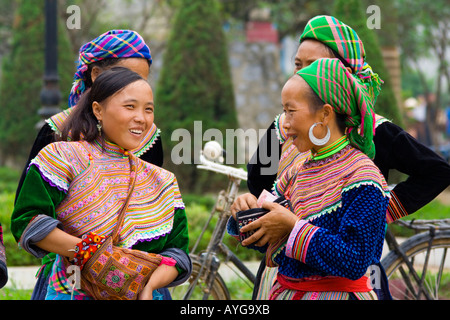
pixel 415 267
pixel 205 281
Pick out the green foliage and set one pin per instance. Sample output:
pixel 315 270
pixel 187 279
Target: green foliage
pixel 14 255
pixel 22 79
pixel 195 84
pixel 352 13
pixel 9 180
pixel 15 294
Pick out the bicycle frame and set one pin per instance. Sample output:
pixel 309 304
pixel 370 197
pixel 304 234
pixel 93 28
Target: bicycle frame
pixel 210 263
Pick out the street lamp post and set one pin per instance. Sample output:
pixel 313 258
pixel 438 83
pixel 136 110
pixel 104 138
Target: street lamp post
pixel 50 94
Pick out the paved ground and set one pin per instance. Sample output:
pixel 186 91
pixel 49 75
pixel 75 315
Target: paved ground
pixel 22 277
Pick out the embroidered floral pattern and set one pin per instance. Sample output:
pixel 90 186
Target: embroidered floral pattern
pixel 115 278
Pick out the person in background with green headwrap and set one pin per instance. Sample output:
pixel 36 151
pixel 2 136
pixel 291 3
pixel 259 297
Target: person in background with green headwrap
pixel 327 37
pixel 338 195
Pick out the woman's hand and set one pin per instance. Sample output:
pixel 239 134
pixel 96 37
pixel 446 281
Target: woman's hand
pixel 146 293
pixel 271 227
pixel 161 277
pixel 243 202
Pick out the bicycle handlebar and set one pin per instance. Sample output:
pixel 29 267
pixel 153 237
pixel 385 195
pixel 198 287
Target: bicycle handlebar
pixel 237 173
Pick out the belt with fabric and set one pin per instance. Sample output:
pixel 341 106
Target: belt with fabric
pixel 338 284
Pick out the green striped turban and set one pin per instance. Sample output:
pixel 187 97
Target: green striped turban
pixel 348 95
pixel 347 44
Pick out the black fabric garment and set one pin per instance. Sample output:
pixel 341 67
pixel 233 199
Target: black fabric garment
pixel 256 181
pixel 45 136
pixel 428 173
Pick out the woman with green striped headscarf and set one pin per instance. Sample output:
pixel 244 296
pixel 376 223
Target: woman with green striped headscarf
pixel 328 37
pixel 348 96
pixel 338 196
pixel 343 43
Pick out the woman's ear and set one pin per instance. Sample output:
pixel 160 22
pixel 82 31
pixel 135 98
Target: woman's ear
pixel 95 72
pixel 327 113
pixel 97 110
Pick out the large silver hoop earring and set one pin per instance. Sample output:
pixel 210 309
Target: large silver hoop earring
pixel 316 141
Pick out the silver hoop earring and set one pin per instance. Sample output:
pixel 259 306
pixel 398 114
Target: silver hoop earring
pixel 316 141
pixel 99 128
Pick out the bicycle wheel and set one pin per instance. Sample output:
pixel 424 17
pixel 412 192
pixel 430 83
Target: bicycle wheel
pixel 431 268
pixel 218 290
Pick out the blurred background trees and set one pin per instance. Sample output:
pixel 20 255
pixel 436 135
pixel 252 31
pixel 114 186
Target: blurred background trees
pixel 22 78
pixel 194 85
pixel 352 12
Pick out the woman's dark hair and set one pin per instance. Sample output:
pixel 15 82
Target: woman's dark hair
pixel 82 122
pixel 103 64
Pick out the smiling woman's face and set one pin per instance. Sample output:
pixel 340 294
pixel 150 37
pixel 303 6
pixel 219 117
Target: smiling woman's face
pixel 127 115
pixel 298 113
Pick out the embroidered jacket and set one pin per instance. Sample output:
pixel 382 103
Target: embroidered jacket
pixel 341 199
pixel 93 180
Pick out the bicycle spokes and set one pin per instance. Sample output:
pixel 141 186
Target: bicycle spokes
pixel 427 277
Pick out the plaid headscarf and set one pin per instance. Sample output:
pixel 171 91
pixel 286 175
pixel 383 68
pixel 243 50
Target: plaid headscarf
pixel 111 44
pixel 348 95
pixel 345 42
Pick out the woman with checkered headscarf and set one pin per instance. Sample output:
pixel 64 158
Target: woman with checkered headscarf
pixel 108 49
pixel 125 48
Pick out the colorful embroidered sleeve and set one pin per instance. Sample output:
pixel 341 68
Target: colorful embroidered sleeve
pixel 348 251
pixel 428 173
pixel 45 186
